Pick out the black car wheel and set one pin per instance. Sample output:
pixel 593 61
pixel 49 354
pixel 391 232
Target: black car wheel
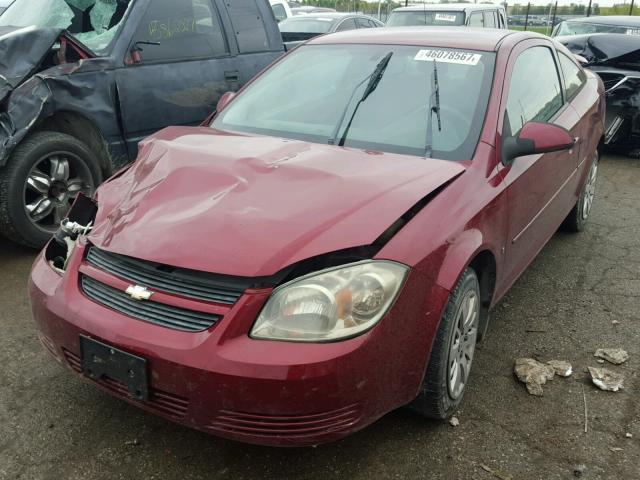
pixel 452 353
pixel 40 182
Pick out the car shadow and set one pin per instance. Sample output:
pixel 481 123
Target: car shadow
pixel 8 249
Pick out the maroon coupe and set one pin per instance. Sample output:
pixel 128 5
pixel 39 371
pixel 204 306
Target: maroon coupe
pixel 328 249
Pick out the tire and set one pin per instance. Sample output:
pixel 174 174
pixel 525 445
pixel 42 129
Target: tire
pixel 439 396
pixel 579 215
pixel 39 183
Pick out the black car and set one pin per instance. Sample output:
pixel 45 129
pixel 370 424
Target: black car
pixel 615 57
pixel 82 81
pixel 304 27
pixel 598 24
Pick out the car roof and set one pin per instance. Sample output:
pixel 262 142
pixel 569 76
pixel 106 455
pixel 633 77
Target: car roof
pixel 486 39
pixel 621 20
pixel 449 7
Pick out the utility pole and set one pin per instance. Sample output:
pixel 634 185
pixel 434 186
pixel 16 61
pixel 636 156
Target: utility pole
pixel 526 18
pixel 589 9
pixel 631 8
pixel 553 20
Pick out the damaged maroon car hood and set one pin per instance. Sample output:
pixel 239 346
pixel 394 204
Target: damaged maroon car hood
pixel 251 205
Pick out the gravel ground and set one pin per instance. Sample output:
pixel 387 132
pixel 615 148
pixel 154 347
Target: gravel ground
pixel 54 426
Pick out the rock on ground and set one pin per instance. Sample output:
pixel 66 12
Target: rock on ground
pixel 606 379
pixel 617 356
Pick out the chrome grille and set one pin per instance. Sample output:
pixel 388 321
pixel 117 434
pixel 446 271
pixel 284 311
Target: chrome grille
pixel 148 311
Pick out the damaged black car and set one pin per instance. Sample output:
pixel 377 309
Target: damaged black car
pixel 83 81
pixel 616 59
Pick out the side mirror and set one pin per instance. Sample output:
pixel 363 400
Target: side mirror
pixel 535 138
pixel 134 54
pixel 225 99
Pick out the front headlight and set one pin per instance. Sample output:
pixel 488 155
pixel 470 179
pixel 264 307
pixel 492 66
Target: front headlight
pixel 332 304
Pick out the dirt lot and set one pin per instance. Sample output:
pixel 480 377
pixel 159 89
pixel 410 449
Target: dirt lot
pixel 54 426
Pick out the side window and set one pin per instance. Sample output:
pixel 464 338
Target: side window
pixel 534 92
pixel 490 19
pixel 248 24
pixel 475 20
pixel 363 22
pixel 574 77
pixel 348 24
pixel 182 30
pixel 279 12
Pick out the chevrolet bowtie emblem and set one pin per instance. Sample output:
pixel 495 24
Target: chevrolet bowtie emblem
pixel 138 292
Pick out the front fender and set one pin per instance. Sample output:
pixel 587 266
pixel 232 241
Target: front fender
pixel 26 106
pixel 459 254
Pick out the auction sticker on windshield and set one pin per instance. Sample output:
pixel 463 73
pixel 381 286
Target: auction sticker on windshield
pixel 448 56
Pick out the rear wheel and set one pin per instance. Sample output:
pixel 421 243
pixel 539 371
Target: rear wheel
pixel 40 182
pixel 453 350
pixel 579 215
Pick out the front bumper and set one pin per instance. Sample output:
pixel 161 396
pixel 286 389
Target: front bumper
pixel 223 382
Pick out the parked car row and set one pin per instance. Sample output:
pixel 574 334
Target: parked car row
pixel 327 246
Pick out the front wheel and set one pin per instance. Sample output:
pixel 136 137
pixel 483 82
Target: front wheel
pixel 453 349
pixel 579 215
pixel 43 177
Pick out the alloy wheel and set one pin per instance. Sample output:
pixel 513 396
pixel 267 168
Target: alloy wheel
pixel 590 190
pixel 52 185
pixel 463 344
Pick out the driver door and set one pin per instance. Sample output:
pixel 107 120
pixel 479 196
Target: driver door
pixel 540 188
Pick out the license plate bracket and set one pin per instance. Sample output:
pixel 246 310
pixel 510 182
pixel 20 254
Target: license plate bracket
pixel 100 360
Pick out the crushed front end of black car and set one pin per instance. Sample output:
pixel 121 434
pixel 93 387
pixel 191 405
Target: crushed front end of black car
pixel 616 59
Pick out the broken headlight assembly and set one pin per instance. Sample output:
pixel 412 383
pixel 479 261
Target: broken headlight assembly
pixel 332 304
pixel 79 223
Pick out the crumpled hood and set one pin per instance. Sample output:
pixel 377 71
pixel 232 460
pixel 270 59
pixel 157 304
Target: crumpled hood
pixel 21 52
pixel 251 205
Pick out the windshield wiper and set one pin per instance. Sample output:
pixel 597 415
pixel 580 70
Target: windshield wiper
pixel 434 107
pixel 374 80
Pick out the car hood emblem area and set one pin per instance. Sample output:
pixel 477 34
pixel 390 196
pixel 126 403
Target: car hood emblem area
pixel 138 292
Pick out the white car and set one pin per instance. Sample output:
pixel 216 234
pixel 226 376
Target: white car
pixel 281 9
pixel 449 15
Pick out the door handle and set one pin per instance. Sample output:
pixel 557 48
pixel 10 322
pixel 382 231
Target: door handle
pixel 233 78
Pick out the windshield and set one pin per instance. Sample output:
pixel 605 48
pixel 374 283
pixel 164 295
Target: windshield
pixel 306 25
pixel 426 17
pixel 93 22
pixel 295 100
pixel 580 28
